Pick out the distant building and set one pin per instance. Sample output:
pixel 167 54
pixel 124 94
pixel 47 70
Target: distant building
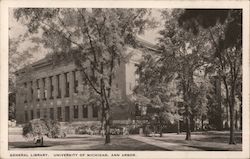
pixel 46 90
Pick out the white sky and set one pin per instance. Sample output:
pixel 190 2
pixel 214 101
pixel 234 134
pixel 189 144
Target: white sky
pixel 16 29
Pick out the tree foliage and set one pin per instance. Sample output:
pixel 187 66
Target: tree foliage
pixel 173 78
pixel 186 54
pixel 225 30
pixel 96 39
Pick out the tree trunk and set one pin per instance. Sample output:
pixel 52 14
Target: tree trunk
pixel 161 130
pixel 195 124
pixel 231 104
pixel 107 125
pixel 102 120
pixel 178 126
pixel 192 123
pixel 188 131
pixel 202 123
pixel 42 141
pixel 241 117
pixel 226 124
pixel 236 120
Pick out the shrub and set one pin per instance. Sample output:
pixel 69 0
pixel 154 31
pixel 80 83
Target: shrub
pixel 90 129
pixel 147 130
pixel 133 129
pixel 116 131
pixel 81 130
pixel 37 128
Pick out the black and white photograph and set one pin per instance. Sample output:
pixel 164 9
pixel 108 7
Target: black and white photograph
pixel 125 79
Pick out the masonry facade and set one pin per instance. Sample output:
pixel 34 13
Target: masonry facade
pixel 53 91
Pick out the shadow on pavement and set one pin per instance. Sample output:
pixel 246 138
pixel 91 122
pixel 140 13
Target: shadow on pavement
pixel 204 148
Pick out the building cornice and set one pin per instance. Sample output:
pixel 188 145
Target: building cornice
pixel 47 61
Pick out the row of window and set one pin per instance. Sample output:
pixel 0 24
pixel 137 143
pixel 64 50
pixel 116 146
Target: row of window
pixel 29 115
pixel 42 84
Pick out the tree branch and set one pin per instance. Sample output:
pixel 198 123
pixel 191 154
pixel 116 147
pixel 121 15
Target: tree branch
pixel 90 82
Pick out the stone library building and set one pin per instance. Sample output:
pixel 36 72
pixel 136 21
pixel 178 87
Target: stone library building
pixel 52 91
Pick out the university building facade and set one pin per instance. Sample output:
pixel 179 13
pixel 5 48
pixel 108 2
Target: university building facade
pixel 46 90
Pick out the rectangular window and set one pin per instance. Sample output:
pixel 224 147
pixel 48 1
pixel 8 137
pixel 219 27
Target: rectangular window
pixel 85 111
pixel 66 85
pixel 51 87
pixel 38 90
pixel 51 112
pixel 58 86
pixel 38 113
pixel 45 90
pixel 26 116
pixel 95 112
pixel 67 115
pixel 59 113
pixel 75 82
pixel 44 113
pixel 31 114
pixel 25 90
pixel 76 111
pixel 31 90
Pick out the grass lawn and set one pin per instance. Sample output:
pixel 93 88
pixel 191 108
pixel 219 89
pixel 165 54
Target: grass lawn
pixel 204 141
pixel 82 142
pixel 201 141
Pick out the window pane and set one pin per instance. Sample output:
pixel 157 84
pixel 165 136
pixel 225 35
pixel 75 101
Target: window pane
pixel 59 114
pixel 85 111
pixel 25 90
pixel 52 113
pixel 38 113
pixel 95 112
pixel 51 88
pixel 75 111
pixel 58 86
pixel 67 113
pixel 31 114
pixel 66 85
pixel 26 116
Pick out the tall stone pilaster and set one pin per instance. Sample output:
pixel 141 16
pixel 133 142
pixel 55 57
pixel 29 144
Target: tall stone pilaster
pixel 41 83
pixel 71 84
pixel 48 87
pixel 80 114
pixel 34 90
pixel 55 84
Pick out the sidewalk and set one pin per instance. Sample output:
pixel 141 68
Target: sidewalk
pixel 165 145
pixel 174 142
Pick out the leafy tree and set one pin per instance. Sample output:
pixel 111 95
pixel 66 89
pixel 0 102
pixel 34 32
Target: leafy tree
pixel 225 29
pixel 96 39
pixel 185 53
pixel 215 99
pixel 153 91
